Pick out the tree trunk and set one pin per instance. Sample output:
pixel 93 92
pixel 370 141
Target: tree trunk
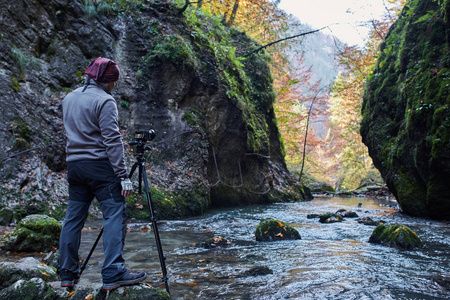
pixel 233 13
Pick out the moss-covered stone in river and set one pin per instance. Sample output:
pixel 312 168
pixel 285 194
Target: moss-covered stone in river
pixel 397 235
pixel 32 289
pixel 35 233
pixel 273 230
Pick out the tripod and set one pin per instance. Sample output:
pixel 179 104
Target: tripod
pixel 140 163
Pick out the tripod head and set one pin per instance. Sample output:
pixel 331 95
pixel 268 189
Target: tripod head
pixel 141 139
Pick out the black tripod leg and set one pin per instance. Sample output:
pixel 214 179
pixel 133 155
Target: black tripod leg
pixel 162 259
pixel 90 253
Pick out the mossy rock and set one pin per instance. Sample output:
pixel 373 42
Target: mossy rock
pixel 25 269
pixel 137 292
pixel 215 242
pixel 35 288
pixel 273 230
pixel 397 235
pixel 321 187
pixel 35 233
pixel 330 218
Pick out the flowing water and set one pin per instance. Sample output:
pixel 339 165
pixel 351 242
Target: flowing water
pixel 331 261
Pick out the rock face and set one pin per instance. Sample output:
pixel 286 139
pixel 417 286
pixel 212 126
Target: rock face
pixel 217 142
pixel 406 113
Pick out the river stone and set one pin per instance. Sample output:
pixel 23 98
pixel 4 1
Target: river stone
pixel 258 271
pixel 24 269
pixel 6 215
pixel 135 292
pixel 347 213
pixel 35 233
pixel 397 235
pixel 215 242
pixel 35 288
pixel 368 221
pixel 330 218
pixel 273 230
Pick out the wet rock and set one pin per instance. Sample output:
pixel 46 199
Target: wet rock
pixel 138 292
pixel 35 288
pixel 346 213
pixel 25 269
pixel 273 230
pixel 215 242
pixel 368 221
pixel 258 271
pixel 330 218
pixel 321 187
pixel 313 216
pixel 35 233
pixel 52 259
pixel 397 235
pixel 6 215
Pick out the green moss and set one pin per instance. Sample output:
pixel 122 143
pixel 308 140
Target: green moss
pixel 173 49
pixel 405 121
pixel 20 144
pixel 272 230
pixel 42 224
pixel 125 104
pixel 398 235
pixel 168 204
pixel 15 84
pixel 195 117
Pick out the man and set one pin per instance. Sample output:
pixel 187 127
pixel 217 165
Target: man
pixel 96 168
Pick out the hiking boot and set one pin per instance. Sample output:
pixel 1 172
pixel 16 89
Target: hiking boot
pixel 129 278
pixel 68 279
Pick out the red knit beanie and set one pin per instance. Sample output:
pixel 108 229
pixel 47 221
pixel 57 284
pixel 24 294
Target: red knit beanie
pixel 103 70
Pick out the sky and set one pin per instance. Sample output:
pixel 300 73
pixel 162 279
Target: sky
pixel 347 13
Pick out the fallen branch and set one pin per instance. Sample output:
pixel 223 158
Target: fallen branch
pixel 283 39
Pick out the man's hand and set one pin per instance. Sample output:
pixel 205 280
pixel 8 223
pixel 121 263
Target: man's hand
pixel 127 187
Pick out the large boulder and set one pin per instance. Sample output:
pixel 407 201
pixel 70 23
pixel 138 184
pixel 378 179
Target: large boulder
pixel 397 235
pixel 273 230
pixel 406 113
pixel 35 233
pixel 25 269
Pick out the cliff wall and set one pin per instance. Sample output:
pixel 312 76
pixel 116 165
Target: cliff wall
pixel 406 113
pixel 217 142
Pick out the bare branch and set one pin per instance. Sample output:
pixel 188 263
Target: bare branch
pixel 283 39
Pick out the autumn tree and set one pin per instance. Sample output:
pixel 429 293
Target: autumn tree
pixel 345 105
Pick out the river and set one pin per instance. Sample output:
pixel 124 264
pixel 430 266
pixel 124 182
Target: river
pixel 331 261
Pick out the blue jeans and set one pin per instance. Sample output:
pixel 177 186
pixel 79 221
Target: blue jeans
pixel 89 179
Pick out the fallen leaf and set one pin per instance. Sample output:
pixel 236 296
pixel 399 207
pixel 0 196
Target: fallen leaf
pixel 279 235
pixel 280 224
pixel 44 264
pixel 192 284
pixel 89 297
pixel 266 231
pixel 45 274
pixel 71 293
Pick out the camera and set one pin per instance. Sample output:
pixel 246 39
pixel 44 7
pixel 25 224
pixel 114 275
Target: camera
pixel 145 135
